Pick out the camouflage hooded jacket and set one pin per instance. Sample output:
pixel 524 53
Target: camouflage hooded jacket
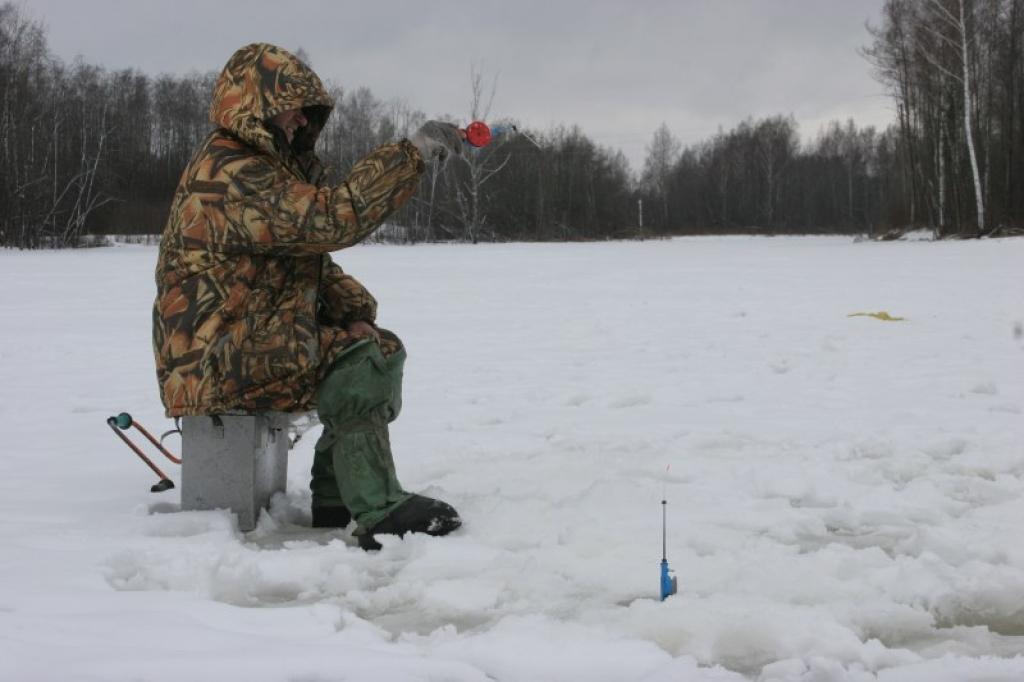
pixel 250 309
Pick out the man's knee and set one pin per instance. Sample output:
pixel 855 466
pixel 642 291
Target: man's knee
pixel 363 384
pixel 390 344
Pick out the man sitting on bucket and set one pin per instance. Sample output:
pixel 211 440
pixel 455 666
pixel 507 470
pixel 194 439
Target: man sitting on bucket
pixel 253 315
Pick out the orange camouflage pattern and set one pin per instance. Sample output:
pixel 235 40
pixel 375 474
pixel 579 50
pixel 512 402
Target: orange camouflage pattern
pixel 250 309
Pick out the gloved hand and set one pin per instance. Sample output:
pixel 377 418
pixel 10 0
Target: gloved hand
pixel 437 138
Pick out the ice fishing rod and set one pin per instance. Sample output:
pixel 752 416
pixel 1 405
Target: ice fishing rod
pixel 669 585
pixel 479 134
pixel 123 422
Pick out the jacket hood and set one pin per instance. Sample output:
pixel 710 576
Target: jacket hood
pixel 259 82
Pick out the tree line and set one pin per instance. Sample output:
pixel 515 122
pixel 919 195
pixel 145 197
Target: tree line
pixel 85 150
pixel 953 161
pixel 955 69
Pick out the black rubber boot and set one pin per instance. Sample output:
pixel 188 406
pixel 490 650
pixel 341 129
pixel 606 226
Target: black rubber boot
pixel 331 517
pixel 418 514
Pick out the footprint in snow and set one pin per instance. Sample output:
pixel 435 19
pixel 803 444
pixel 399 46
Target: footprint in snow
pixel 631 401
pixel 577 400
pixel 985 388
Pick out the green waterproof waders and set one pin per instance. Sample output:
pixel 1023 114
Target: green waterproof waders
pixel 353 466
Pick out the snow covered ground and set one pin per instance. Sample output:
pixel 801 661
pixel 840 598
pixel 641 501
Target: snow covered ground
pixel 845 493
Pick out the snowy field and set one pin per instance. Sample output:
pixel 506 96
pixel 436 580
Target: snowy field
pixel 845 494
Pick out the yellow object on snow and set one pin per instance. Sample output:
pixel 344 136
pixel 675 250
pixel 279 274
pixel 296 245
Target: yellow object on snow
pixel 880 315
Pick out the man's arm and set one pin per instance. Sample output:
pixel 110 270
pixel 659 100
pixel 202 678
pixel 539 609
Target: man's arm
pixel 245 207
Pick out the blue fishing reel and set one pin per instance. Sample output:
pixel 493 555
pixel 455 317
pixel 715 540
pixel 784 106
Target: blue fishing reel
pixel 669 584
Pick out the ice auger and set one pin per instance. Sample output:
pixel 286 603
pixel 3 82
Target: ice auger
pixel 123 422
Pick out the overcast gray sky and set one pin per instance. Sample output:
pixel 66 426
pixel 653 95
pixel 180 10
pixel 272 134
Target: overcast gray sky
pixel 617 69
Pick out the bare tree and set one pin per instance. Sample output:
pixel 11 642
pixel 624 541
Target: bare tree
pixel 481 165
pixel 662 156
pixel 960 42
pixel 892 56
pixel 776 143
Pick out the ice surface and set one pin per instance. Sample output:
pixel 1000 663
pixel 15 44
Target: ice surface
pixel 845 494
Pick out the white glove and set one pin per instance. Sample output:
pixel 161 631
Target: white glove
pixel 437 138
